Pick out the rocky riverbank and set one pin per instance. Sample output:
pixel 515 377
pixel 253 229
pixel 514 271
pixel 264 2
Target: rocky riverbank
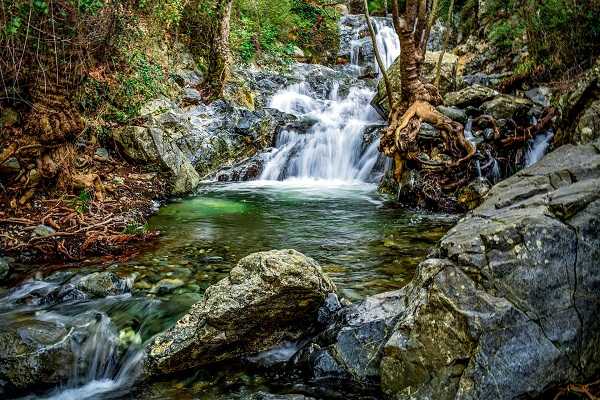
pixel 506 306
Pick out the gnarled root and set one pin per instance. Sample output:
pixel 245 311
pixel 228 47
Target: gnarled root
pixel 401 135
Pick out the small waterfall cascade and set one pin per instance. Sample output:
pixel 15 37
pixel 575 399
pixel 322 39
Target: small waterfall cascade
pixel 98 361
pixel 333 146
pixel 538 147
pixel 387 42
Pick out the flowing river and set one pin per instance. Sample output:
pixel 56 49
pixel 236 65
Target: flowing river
pixel 317 194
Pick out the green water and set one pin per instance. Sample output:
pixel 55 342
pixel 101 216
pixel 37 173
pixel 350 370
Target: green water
pixel 365 245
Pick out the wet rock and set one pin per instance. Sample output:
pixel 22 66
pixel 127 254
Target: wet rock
pixel 471 95
pixel 505 106
pixel 456 114
pixel 350 348
pixel 36 353
pixel 269 297
pixel 429 132
pixel 505 307
pixel 154 145
pixel 473 194
pixel 245 170
pixel 479 78
pixel 167 285
pixel 540 96
pixel 102 284
pixel 4 268
pixel 43 231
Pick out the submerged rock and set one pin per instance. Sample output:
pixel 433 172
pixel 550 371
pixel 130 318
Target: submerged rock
pixel 268 297
pixel 103 284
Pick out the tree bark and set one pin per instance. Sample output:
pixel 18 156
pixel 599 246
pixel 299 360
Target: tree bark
pixel 438 72
pixel 220 54
pixel 400 138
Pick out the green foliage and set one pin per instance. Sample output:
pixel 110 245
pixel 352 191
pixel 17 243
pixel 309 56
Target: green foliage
pixel 560 34
pixel 81 204
pixel 168 12
pixel 136 228
pixel 505 33
pixel 272 28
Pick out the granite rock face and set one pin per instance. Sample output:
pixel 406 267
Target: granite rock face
pixel 269 297
pixel 508 305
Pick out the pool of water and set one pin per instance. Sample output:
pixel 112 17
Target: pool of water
pixel 365 244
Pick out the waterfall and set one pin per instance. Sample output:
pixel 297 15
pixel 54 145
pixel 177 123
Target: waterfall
pixel 538 147
pixel 333 148
pixel 387 41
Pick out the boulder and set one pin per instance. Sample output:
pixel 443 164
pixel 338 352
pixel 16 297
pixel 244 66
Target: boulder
pixel 470 96
pixel 269 297
pixel 35 354
pixel 40 352
pixel 506 106
pixel 505 308
pixel 155 145
pixel 448 75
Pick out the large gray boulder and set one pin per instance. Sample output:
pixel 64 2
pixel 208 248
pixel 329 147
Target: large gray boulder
pixel 507 307
pixel 267 298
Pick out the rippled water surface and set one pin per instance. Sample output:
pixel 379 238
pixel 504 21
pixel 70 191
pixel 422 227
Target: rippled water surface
pixel 364 244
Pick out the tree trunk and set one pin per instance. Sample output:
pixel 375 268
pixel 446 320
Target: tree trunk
pixel 220 54
pixel 400 140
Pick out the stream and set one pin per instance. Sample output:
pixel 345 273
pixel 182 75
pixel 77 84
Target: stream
pixel 317 194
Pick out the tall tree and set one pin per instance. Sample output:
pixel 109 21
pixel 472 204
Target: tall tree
pixel 219 58
pixel 418 99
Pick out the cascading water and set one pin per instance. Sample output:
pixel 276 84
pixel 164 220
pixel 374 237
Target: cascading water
pixel 538 147
pixel 333 148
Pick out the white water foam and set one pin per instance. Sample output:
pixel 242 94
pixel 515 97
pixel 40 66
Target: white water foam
pixel 333 148
pixel 538 148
